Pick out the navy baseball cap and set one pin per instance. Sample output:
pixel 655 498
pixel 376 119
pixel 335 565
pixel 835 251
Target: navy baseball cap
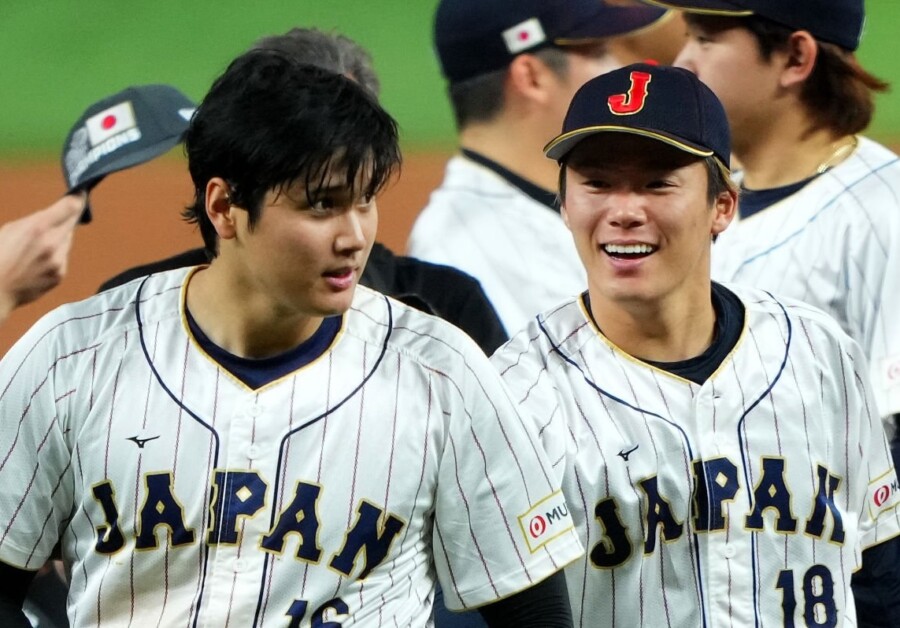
pixel 123 130
pixel 835 21
pixel 474 37
pixel 661 102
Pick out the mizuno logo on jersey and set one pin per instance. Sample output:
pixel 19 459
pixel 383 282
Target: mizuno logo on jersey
pixel 140 442
pixel 546 520
pixel 624 453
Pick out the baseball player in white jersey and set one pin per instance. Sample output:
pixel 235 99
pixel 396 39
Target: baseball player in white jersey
pixel 820 205
pixel 512 67
pixel 258 442
pixel 719 446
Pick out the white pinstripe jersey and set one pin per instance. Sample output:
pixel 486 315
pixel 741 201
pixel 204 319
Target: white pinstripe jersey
pixel 834 244
pixel 182 498
pixel 734 503
pixel 519 249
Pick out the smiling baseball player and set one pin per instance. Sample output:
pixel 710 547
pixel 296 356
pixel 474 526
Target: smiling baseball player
pixel 719 447
pixel 820 204
pixel 259 442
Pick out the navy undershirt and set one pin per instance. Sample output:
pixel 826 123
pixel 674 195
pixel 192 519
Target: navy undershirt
pixel 754 201
pixel 256 373
pixel 729 325
pixel 536 192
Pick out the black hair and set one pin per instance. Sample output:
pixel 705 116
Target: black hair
pixel 268 122
pixel 839 93
pixel 481 98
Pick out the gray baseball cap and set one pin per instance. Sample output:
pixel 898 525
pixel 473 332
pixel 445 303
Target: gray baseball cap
pixel 123 130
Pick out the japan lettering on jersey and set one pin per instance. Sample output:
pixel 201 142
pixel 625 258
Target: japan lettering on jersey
pixel 835 244
pixel 745 501
pixel 327 498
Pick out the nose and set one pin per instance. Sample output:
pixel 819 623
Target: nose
pixel 685 58
pixel 626 210
pixel 353 229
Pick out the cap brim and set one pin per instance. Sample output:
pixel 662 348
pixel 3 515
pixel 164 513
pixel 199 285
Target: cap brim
pixel 611 21
pixel 708 7
pixel 560 146
pixel 126 161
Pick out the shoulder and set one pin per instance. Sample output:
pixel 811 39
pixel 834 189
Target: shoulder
pixel 466 191
pixel 193 257
pixel 790 315
pixel 559 331
pixel 870 177
pixel 80 328
pixel 393 327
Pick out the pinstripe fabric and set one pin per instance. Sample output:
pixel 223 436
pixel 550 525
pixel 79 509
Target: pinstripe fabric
pixel 835 244
pixel 679 490
pixel 482 224
pixel 166 480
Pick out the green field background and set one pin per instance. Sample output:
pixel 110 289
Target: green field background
pixel 58 56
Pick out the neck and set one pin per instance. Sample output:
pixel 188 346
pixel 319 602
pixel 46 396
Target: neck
pixel 239 319
pixel 787 152
pixel 660 332
pixel 514 148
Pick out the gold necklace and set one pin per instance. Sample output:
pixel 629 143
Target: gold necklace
pixel 838 155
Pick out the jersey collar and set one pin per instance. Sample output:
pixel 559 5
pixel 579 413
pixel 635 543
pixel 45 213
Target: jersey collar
pixel 536 192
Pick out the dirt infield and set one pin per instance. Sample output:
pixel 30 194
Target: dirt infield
pixel 136 220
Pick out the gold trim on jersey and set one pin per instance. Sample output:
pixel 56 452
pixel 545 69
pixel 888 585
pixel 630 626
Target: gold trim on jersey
pixel 623 354
pixel 226 372
pixel 627 356
pixel 294 537
pixel 381 529
pixel 701 11
pixel 169 538
pixel 215 497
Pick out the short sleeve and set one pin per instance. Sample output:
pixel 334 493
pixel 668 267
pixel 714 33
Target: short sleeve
pixel 875 488
pixel 501 521
pixel 35 461
pixel 522 365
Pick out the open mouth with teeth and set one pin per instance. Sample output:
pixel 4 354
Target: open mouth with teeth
pixel 629 251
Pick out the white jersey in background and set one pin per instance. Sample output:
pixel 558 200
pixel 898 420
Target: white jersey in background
pixel 335 495
pixel 743 502
pixel 834 244
pixel 517 247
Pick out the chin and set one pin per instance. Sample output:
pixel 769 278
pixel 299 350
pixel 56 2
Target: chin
pixel 337 304
pixel 625 292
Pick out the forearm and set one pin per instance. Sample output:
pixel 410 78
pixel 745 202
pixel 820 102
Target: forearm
pixel 11 616
pixel 13 589
pixel 876 587
pixel 545 605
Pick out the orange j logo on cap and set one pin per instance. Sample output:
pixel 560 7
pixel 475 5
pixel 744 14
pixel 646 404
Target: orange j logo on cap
pixel 633 100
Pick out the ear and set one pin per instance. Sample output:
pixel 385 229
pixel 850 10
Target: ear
pixel 724 211
pixel 219 209
pixel 530 78
pixel 801 54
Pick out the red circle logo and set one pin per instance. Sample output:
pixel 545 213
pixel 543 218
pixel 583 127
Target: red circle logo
pixel 882 494
pixel 537 526
pixel 108 122
pixel 894 371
